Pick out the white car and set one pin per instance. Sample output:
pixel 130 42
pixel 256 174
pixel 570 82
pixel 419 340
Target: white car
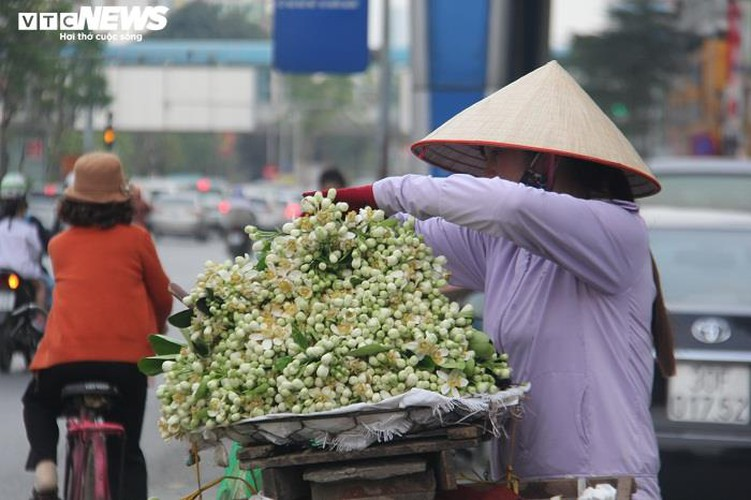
pixel 704 259
pixel 702 182
pixel 179 214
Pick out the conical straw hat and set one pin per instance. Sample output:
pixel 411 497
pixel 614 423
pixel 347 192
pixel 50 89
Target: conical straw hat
pixel 546 111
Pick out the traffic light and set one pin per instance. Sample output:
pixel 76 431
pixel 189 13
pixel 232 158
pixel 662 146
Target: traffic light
pixel 109 137
pixel 620 111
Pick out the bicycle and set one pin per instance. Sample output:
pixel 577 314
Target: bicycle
pixel 86 460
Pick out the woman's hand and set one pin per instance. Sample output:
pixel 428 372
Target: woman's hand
pixel 356 197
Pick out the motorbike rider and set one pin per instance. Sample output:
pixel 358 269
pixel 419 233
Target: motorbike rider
pixel 240 215
pixel 22 239
pixel 332 177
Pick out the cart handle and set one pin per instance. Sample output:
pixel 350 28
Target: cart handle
pixel 177 291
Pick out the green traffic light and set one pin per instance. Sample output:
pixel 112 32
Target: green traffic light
pixel 619 110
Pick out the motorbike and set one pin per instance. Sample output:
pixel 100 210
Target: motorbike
pixel 236 239
pixel 237 242
pixel 18 310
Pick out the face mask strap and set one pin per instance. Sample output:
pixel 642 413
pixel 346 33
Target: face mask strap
pixel 543 180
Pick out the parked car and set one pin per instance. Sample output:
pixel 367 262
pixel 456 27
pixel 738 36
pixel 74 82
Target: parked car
pixel 273 204
pixel 702 181
pixel 704 258
pixel 179 214
pixel 151 187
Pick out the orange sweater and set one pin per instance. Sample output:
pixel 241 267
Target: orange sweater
pixel 110 294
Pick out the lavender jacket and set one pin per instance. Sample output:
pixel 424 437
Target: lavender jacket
pixel 568 295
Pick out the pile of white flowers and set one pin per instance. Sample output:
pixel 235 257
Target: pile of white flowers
pixel 336 308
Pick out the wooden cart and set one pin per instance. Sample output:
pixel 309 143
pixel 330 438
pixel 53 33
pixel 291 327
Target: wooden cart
pixel 419 466
pixel 410 468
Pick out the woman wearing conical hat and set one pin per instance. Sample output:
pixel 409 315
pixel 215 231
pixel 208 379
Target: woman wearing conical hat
pixel 540 216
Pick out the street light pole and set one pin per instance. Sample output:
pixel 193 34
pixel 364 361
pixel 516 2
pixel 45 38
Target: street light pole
pixel 385 94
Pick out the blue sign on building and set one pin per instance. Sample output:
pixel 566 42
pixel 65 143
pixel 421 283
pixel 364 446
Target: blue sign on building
pixel 321 35
pixel 457 47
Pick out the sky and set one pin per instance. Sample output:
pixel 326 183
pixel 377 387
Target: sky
pixel 575 16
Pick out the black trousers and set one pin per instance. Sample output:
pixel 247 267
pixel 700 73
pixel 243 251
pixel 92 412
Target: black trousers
pixel 42 406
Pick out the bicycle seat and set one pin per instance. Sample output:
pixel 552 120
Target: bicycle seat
pixel 92 395
pixel 91 388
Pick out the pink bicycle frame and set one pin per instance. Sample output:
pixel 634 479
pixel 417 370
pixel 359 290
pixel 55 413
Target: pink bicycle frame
pixel 84 434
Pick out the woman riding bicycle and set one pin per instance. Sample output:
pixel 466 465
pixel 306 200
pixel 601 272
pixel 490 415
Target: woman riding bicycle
pixel 111 292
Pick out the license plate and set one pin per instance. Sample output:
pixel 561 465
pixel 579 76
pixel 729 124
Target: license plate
pixel 7 300
pixel 709 393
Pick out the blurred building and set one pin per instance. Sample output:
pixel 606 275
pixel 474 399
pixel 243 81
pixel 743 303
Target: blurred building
pixel 228 87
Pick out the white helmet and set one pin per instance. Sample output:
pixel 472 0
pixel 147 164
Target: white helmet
pixel 14 185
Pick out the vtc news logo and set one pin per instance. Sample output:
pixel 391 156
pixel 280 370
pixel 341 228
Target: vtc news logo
pixel 98 19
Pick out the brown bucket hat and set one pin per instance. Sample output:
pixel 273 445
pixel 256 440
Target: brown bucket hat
pixel 546 111
pixel 98 178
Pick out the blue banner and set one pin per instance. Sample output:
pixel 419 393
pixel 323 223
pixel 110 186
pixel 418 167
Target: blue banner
pixel 321 36
pixel 457 49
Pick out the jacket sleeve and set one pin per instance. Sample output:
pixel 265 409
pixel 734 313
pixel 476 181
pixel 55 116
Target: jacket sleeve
pixel 157 282
pixel 601 243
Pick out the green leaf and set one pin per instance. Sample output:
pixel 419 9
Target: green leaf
pixel 426 363
pixel 450 364
pixel 200 347
pixel 261 264
pixel 202 305
pixel 259 389
pixel 202 390
pixel 368 350
pixel 300 338
pixel 181 319
pixel 163 344
pixel 282 362
pixel 152 365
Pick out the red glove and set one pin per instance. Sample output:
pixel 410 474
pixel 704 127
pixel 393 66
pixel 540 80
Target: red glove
pixel 356 197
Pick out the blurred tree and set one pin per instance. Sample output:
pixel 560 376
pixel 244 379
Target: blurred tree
pixel 199 20
pixel 44 81
pixel 148 153
pixel 25 67
pixel 79 85
pixel 627 69
pixel 324 104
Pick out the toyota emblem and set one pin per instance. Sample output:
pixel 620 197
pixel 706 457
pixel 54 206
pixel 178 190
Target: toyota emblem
pixel 711 330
